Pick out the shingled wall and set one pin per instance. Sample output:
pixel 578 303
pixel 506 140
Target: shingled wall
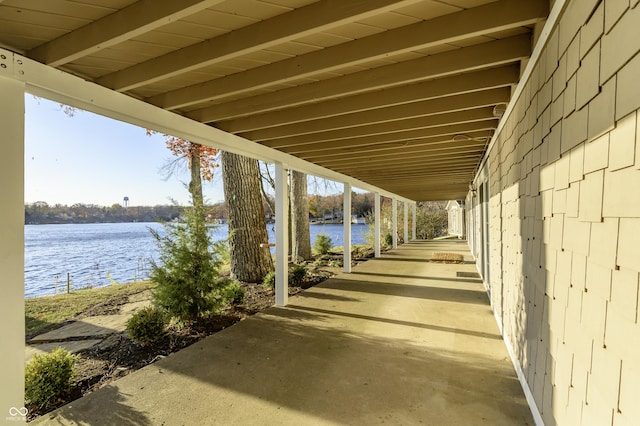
pixel 564 219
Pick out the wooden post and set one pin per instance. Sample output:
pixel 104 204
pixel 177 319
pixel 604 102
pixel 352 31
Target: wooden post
pixel 282 236
pixel 346 226
pixel 12 246
pixel 376 225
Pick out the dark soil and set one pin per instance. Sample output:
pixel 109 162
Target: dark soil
pixel 120 356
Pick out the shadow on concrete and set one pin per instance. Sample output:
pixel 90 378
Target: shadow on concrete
pixel 276 369
pixel 399 322
pixel 420 277
pixel 397 360
pixel 416 259
pixel 458 295
pixel 394 258
pixel 326 296
pixel 119 413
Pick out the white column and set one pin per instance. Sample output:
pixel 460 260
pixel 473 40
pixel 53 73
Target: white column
pixel 413 224
pixel 12 245
pixel 394 222
pixel 376 224
pixel 405 229
pixel 282 237
pixel 346 225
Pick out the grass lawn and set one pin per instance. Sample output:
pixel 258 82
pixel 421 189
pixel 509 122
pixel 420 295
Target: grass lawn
pixel 40 312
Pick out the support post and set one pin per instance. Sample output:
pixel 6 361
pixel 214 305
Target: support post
pixel 414 225
pixel 405 228
pixel 282 237
pixel 12 247
pixel 346 225
pixel 376 225
pixel 394 222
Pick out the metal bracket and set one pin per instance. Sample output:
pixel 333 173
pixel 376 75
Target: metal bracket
pixel 10 66
pixel 6 63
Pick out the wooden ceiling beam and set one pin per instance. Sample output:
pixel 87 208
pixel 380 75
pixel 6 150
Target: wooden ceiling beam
pixel 409 158
pixel 428 170
pixel 477 21
pixel 418 159
pixel 138 18
pixel 449 118
pixel 368 159
pixel 460 173
pixel 390 140
pixel 316 17
pixel 484 55
pixel 431 89
pixel 424 108
pixel 382 161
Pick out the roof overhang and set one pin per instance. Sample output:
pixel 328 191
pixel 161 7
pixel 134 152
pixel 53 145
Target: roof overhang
pixel 396 96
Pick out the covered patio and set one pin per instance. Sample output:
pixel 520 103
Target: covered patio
pixel 400 340
pixel 338 89
pixel 529 110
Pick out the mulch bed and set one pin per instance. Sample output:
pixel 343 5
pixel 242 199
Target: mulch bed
pixel 101 365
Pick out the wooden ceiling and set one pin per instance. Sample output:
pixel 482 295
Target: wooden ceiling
pixel 401 94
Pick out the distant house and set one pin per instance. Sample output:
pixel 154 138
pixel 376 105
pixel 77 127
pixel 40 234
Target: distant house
pixel 455 210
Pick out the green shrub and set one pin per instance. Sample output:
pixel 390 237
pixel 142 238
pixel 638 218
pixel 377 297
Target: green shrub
pixel 297 274
pixel 188 281
pixel 322 243
pixel 269 282
pixel 48 376
pixel 234 293
pixel 146 325
pixel 388 240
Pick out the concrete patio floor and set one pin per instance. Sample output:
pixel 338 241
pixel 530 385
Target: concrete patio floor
pixel 398 341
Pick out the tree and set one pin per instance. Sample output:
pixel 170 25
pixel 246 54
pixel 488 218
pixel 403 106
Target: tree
pixel 247 227
pixel 188 282
pixel 201 162
pixel 301 241
pixel 299 236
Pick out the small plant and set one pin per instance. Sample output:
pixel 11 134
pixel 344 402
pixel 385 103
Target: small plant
pixel 233 293
pixel 269 281
pixel 48 376
pixel 146 325
pixel 335 263
pixel 322 243
pixel 297 274
pixel 111 280
pixel 388 240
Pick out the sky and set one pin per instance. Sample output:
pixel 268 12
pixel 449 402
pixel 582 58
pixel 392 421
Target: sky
pixel 92 159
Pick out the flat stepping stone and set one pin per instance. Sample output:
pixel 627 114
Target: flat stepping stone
pixel 98 326
pixel 142 296
pixel 131 307
pixel 73 347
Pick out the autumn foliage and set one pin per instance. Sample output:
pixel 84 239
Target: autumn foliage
pixel 183 148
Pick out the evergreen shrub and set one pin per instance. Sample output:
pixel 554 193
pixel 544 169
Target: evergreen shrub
pixel 48 376
pixel 269 282
pixel 234 293
pixel 188 281
pixel 297 274
pixel 322 244
pixel 146 325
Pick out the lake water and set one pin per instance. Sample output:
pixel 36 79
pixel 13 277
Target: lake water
pixel 91 253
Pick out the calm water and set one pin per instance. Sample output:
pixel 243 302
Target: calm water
pixel 92 253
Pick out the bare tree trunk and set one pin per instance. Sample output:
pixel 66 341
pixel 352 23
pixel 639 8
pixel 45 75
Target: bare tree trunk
pixel 195 185
pixel 247 228
pixel 301 241
pixel 195 188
